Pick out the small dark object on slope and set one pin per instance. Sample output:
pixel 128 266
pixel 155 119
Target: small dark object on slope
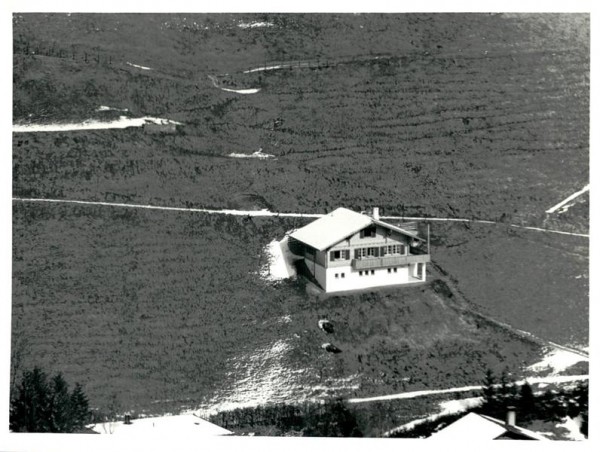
pixel 331 348
pixel 326 326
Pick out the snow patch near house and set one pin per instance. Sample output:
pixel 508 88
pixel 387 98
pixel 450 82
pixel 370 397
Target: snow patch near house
pixel 447 407
pixel 145 68
pixel 573 426
pixel 280 263
pixel 255 155
pixel 255 24
pixel 122 123
pixel 264 380
pixel 557 360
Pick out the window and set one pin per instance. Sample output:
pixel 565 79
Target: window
pixel 372 272
pixel 337 275
pixel 368 232
pixel 339 255
pixel 389 270
pixel 393 249
pixel 360 273
pixel 395 269
pixel 343 275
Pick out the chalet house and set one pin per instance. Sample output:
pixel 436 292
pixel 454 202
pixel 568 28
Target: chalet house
pixel 345 250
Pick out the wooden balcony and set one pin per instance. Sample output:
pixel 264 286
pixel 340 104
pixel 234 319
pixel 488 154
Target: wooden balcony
pixel 389 261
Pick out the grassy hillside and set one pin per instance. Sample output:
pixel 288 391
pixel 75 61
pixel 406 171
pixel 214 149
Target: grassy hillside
pixel 159 309
pixel 468 115
pixel 536 282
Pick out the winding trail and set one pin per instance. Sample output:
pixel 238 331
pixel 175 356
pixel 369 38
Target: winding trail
pixel 268 213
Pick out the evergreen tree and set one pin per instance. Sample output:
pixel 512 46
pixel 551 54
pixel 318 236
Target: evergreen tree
pixel 526 405
pixel 30 410
pixel 79 408
pixel 489 388
pixel 60 405
pixel 42 406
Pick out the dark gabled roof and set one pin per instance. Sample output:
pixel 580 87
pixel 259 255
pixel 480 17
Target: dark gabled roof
pixel 338 225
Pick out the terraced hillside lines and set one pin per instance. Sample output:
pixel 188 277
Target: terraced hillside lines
pixel 493 104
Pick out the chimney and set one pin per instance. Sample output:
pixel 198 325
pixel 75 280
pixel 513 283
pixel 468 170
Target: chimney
pixel 376 213
pixel 511 416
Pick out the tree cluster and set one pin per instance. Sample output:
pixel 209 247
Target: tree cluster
pixel 43 404
pixel 552 405
pixel 332 418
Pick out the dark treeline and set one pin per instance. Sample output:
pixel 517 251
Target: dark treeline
pixel 309 419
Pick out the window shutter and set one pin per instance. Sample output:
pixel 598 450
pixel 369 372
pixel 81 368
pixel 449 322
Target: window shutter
pixel 331 256
pixel 357 253
pixel 362 234
pixel 382 251
pixel 346 254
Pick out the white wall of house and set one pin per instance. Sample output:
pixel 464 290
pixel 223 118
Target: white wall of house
pixel 353 280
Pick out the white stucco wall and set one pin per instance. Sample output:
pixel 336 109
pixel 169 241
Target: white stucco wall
pixel 352 279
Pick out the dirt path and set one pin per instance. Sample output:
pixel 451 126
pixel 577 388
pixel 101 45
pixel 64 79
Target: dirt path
pixel 414 394
pixel 267 213
pixel 467 220
pixel 570 198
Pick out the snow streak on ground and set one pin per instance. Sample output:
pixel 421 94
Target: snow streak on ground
pixel 413 394
pixel 122 123
pixel 139 67
pixel 280 261
pixel 570 198
pixel 263 68
pixel 215 83
pixel 255 155
pixel 573 426
pixel 447 407
pixel 106 108
pixel 557 360
pixel 255 24
pixel 241 91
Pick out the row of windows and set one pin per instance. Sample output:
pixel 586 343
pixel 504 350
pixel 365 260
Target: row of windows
pixel 372 251
pixel 366 272
pixel 337 275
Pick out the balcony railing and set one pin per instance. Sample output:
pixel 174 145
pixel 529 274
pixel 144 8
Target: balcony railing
pixel 389 261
